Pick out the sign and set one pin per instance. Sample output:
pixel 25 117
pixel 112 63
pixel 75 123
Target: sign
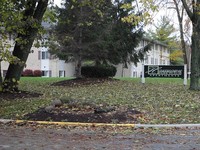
pixel 162 71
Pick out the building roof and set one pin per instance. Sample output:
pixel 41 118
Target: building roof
pixel 155 41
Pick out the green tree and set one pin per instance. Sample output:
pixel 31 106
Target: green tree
pixel 78 30
pixel 7 23
pixel 125 35
pixel 25 29
pixel 164 32
pixel 96 31
pixel 194 15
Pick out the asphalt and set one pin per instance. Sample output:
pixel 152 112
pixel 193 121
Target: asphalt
pixel 186 137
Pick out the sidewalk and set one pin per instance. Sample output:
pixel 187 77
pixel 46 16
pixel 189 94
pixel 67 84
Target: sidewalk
pixel 45 138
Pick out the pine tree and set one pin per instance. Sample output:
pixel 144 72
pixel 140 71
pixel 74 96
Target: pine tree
pixel 89 30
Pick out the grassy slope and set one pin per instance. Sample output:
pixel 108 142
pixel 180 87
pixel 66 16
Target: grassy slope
pixel 162 100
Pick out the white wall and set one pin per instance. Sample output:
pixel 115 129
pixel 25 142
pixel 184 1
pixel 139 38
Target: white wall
pixel 158 55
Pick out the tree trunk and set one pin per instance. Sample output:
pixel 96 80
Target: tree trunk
pixel 78 57
pixel 22 48
pixel 21 51
pixel 78 67
pixel 195 56
pixel 1 80
pixel 195 63
pixel 180 13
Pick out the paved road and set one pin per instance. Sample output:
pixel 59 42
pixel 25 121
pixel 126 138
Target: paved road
pixel 45 138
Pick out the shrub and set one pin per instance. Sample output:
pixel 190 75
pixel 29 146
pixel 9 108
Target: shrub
pixel 37 73
pixel 98 71
pixel 27 73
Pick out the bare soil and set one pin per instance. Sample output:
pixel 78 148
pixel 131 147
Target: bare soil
pixel 18 95
pixel 80 113
pixel 83 81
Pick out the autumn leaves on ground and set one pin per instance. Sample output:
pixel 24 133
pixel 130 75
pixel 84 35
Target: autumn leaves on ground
pixel 103 100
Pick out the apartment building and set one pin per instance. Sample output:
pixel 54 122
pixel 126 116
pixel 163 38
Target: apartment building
pixel 40 59
pixel 158 55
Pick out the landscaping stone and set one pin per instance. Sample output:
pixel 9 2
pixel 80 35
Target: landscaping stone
pixel 56 103
pixel 49 108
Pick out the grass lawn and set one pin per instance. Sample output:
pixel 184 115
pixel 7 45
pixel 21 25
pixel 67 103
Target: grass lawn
pixel 161 100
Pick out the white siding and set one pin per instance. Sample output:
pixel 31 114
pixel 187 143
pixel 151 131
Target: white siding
pixel 158 55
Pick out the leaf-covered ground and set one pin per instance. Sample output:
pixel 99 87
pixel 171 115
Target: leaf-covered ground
pixel 159 101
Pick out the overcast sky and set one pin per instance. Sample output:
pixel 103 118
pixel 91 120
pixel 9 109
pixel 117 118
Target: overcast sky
pixel 163 11
pixel 57 2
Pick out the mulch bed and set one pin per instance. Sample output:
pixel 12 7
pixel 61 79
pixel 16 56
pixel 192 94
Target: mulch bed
pixel 86 114
pixel 84 81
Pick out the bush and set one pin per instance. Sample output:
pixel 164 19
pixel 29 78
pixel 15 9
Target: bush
pixel 37 73
pixel 27 73
pixel 98 71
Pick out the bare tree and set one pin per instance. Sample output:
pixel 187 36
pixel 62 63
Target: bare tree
pixel 180 14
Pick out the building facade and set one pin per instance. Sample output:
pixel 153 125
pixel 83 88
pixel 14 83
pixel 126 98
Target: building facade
pixel 157 55
pixel 40 59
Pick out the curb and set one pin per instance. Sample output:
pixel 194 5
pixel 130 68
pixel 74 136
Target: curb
pixel 166 125
pixel 68 123
pixel 4 121
pixel 77 123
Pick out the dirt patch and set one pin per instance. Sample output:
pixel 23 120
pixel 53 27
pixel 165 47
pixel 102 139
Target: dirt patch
pixel 86 113
pixel 83 81
pixel 18 95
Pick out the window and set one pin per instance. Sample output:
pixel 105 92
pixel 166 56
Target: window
pixel 45 55
pixel 141 43
pixel 156 61
pixel 164 49
pixel 156 47
pixel 161 48
pixel 152 47
pixel 146 60
pixel 39 55
pixel 61 73
pixel 50 73
pixel 45 73
pixel 163 62
pixel 152 61
pixel 135 74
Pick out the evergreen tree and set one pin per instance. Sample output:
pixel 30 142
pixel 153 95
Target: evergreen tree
pixel 75 30
pixel 94 30
pixel 125 36
pixel 164 32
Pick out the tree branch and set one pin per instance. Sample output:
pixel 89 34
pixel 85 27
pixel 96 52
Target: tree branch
pixel 189 12
pixel 40 9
